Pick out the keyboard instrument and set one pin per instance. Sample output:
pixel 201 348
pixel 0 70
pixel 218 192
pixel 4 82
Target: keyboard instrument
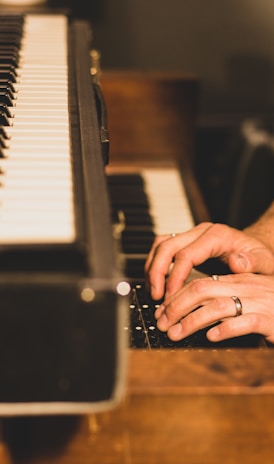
pixel 61 290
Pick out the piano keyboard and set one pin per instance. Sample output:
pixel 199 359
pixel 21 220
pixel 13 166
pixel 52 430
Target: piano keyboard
pixel 168 201
pixel 63 297
pixel 151 202
pixel 36 193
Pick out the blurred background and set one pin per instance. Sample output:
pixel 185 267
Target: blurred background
pixel 229 45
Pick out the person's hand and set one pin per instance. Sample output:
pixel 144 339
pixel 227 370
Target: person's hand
pixel 249 296
pixel 241 252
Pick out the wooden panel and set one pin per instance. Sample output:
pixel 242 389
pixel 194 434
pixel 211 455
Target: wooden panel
pixel 152 122
pixel 151 116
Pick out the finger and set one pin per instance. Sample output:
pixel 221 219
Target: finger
pixel 203 292
pixel 215 311
pixel 238 326
pixel 153 249
pixel 258 259
pixel 218 240
pixel 195 294
pixel 157 287
pixel 186 237
pixel 149 260
pixel 162 253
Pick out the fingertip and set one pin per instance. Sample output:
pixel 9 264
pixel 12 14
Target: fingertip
pixel 240 263
pixel 159 311
pixel 175 332
pixel 162 323
pixel 213 334
pixel 155 292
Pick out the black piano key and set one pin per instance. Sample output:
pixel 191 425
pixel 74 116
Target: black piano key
pixel 11 39
pixel 128 179
pixel 12 51
pixel 134 268
pixel 127 194
pixel 137 242
pixel 10 30
pixel 8 75
pixel 137 217
pixel 5 98
pixel 5 109
pixel 2 142
pixel 4 120
pixel 9 92
pixel 8 85
pixel 134 217
pixel 3 133
pixel 8 59
pixel 8 68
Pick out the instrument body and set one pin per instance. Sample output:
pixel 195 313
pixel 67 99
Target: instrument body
pixel 62 316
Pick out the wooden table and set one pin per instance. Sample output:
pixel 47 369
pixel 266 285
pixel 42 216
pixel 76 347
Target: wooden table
pixel 193 407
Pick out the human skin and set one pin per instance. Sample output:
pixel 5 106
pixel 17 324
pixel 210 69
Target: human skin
pixel 250 257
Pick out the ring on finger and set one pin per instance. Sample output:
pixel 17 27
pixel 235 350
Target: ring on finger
pixel 215 277
pixel 238 306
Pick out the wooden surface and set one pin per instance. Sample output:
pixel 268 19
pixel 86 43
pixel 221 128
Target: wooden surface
pixel 192 407
pixel 196 407
pixel 152 122
pixel 151 116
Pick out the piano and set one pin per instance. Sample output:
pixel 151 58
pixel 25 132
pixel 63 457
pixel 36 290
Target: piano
pixel 180 405
pixel 63 295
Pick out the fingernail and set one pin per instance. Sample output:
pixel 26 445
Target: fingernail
pixel 175 331
pixel 243 261
pixel 213 334
pixel 153 291
pixel 159 311
pixel 162 323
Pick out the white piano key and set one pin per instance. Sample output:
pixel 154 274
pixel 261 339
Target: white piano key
pixel 169 205
pixel 36 182
pixel 34 152
pixel 46 130
pixel 57 165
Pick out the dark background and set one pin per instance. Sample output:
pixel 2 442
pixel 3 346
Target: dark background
pixel 228 44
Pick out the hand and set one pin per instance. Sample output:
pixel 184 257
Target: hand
pixel 241 252
pixel 214 303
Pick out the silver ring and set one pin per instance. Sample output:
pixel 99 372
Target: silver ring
pixel 215 277
pixel 238 306
pixel 172 235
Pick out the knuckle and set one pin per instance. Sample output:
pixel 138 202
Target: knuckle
pixel 220 304
pixel 253 321
pixel 158 242
pixel 182 254
pixel 218 229
pixel 199 286
pixel 204 225
pixel 172 307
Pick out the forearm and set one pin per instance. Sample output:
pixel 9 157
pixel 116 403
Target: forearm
pixel 263 228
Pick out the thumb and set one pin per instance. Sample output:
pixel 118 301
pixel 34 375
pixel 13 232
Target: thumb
pixel 259 260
